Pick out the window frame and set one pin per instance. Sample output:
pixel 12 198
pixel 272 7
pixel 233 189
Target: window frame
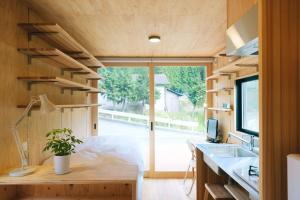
pixel 239 98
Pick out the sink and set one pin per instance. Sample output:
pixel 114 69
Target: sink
pixel 212 151
pixel 229 151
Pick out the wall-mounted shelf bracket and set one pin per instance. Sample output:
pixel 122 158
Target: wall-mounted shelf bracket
pixel 63 70
pixel 79 73
pixel 249 65
pixel 40 34
pixel 94 67
pixel 72 89
pixel 29 84
pixel 71 53
pixel 30 57
pixel 81 58
pixel 92 79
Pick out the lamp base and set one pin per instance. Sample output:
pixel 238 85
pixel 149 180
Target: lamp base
pixel 22 171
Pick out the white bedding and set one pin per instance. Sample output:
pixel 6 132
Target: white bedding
pixel 110 149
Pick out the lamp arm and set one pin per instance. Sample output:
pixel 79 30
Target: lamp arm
pixel 15 132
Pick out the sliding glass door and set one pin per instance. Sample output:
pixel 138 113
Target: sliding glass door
pixel 180 93
pixel 160 108
pixel 124 111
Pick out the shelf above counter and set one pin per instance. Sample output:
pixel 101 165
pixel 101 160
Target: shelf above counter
pixel 239 64
pixel 216 91
pixel 220 109
pixel 67 63
pixel 64 84
pixel 216 76
pixel 57 37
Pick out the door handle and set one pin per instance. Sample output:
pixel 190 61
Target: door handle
pixel 151 126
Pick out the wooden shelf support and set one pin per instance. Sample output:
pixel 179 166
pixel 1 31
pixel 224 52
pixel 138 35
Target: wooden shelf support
pixel 57 37
pixel 216 76
pixel 58 56
pixel 239 64
pixel 58 82
pixel 220 110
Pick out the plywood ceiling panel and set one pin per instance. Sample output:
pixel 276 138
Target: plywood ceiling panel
pixel 121 27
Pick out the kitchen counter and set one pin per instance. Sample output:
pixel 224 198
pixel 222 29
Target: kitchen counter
pixel 233 165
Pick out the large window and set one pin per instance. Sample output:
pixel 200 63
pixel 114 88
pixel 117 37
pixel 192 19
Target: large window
pixel 247 105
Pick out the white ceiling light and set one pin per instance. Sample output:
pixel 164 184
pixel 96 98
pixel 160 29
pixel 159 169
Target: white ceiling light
pixel 154 39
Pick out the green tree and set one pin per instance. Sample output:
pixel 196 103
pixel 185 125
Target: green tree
pixel 117 84
pixel 123 85
pixel 189 81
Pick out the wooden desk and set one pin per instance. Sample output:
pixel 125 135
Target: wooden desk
pixel 86 181
pixel 205 175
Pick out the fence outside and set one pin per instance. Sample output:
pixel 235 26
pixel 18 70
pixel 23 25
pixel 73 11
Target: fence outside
pixel 143 119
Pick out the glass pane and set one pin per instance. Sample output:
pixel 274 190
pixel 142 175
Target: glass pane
pixel 250 106
pixel 123 115
pixel 179 114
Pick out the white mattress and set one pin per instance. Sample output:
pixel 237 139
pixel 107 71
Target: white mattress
pixel 110 149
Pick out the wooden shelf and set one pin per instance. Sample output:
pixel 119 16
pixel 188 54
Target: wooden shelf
pixel 239 64
pixel 59 82
pixel 217 191
pixel 216 76
pixel 56 36
pixel 237 192
pixel 67 63
pixel 212 91
pixel 65 106
pixel 219 90
pixel 220 109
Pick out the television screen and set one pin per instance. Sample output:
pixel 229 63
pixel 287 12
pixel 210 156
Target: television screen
pixel 212 129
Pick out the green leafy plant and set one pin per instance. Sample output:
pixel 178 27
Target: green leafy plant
pixel 61 142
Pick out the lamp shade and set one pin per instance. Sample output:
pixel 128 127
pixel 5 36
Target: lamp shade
pixel 46 105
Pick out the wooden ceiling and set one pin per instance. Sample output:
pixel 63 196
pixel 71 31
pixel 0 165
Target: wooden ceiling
pixel 188 28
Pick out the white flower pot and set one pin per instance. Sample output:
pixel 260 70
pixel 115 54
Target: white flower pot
pixel 62 164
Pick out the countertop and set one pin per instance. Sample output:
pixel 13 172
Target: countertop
pixel 229 164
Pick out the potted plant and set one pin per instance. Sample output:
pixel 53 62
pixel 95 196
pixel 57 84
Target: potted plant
pixel 62 144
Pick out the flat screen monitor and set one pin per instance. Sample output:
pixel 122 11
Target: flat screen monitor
pixel 212 129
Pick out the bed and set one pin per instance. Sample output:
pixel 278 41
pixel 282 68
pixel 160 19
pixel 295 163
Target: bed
pixel 110 150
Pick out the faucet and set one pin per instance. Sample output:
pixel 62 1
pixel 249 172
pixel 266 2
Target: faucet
pixel 250 143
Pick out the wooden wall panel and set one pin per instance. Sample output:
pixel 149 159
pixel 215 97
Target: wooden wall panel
pixel 279 99
pixel 237 8
pixel 227 121
pixel 14 92
pixel 10 63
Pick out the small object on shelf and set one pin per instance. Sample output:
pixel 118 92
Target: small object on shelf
pixel 59 57
pixel 226 106
pixel 227 89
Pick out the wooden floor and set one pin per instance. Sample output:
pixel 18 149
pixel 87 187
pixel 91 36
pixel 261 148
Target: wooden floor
pixel 165 189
